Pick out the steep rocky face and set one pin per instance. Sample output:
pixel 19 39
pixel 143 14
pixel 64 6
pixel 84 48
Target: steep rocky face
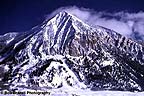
pixel 64 51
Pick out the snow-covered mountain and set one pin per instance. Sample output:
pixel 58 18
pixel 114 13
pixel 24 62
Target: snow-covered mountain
pixel 66 52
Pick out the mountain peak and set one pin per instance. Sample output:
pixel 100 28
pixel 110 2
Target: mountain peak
pixel 65 51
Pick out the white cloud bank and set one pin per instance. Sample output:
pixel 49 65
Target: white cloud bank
pixel 127 24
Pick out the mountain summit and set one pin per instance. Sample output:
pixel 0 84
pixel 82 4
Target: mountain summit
pixel 66 52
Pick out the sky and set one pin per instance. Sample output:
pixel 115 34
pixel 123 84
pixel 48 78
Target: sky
pixel 123 16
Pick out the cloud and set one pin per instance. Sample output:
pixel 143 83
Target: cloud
pixel 127 24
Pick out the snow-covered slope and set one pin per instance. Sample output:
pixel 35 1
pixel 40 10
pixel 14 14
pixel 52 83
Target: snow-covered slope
pixel 6 39
pixel 66 52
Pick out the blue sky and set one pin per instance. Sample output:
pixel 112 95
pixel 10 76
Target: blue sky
pixel 22 15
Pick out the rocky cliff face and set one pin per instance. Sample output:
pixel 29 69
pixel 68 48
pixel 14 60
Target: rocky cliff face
pixel 64 51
